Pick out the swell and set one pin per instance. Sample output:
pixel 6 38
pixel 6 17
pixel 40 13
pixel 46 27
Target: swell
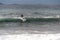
pixel 30 20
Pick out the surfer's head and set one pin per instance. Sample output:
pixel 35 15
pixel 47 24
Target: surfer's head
pixel 22 15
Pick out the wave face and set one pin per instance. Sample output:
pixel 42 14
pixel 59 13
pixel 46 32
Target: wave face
pixel 43 19
pixel 30 20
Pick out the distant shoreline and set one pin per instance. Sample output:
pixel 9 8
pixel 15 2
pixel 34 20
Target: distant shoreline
pixel 29 6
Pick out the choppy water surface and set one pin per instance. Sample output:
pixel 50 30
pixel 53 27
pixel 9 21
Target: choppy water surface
pixel 30 31
pixel 17 28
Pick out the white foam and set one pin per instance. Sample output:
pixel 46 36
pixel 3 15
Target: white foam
pixel 22 18
pixel 57 16
pixel 31 37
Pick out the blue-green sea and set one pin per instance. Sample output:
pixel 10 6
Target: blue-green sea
pixel 43 23
pixel 40 27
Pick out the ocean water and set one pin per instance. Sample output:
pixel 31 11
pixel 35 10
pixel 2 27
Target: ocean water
pixel 34 30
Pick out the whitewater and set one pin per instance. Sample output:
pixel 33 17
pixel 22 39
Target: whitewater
pixel 31 37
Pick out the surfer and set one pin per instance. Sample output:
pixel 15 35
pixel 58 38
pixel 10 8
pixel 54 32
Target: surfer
pixel 23 18
pixel 22 15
